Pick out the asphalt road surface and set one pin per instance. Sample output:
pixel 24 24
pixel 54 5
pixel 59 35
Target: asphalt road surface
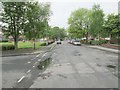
pixel 71 67
pixel 78 67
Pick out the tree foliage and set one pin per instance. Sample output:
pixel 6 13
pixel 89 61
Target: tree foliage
pixel 28 18
pixel 57 32
pixel 85 23
pixel 111 26
pixel 97 21
pixel 13 16
pixel 79 23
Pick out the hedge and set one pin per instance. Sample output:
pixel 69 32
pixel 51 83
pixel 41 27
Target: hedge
pixel 8 47
pixel 43 44
pixel 4 40
pixel 98 42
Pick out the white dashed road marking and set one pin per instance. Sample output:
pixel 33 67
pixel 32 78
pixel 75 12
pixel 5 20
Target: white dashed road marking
pixel 28 71
pixel 39 59
pixel 28 62
pixel 35 63
pixel 33 58
pixel 38 55
pixel 44 54
pixel 21 79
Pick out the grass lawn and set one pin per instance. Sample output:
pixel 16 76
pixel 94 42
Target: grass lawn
pixel 24 45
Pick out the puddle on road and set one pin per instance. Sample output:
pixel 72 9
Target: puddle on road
pixel 76 53
pixel 45 75
pixel 63 76
pixel 111 66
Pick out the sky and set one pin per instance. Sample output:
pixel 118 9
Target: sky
pixel 62 9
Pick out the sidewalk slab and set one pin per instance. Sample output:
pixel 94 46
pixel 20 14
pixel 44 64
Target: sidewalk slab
pixel 105 49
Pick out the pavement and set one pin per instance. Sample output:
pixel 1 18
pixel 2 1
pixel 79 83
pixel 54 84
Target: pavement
pixel 105 49
pixel 25 51
pixel 79 67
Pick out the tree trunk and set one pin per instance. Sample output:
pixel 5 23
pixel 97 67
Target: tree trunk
pixel 16 42
pixel 86 37
pixel 110 38
pixel 34 44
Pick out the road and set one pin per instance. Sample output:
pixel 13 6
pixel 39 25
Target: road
pixel 71 67
pixel 78 67
pixel 20 71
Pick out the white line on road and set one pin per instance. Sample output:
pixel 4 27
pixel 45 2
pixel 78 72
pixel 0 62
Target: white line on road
pixel 33 58
pixel 35 63
pixel 44 54
pixel 21 79
pixel 38 55
pixel 28 62
pixel 39 60
pixel 28 71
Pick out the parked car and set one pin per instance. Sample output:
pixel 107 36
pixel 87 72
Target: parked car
pixel 58 41
pixel 77 42
pixel 72 41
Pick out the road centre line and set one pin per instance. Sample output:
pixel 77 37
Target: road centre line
pixel 39 60
pixel 28 71
pixel 33 58
pixel 28 62
pixel 35 63
pixel 38 55
pixel 44 54
pixel 21 79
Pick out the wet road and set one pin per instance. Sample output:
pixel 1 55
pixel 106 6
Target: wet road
pixel 71 67
pixel 79 67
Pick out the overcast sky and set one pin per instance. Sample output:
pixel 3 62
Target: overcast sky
pixel 62 9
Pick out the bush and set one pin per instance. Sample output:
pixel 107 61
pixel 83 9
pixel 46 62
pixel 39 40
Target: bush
pixel 95 42
pixel 43 44
pixel 103 41
pixel 8 47
pixel 98 42
pixel 4 40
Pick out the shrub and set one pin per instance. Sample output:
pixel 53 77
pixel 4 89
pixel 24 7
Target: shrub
pixel 8 47
pixel 95 42
pixel 4 40
pixel 43 44
pixel 103 41
pixel 98 42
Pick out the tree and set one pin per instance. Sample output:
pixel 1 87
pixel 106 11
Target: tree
pixel 97 20
pixel 57 32
pixel 37 16
pixel 13 16
pixel 111 26
pixel 79 23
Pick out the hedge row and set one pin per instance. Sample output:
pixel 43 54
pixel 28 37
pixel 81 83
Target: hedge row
pixel 98 42
pixel 4 40
pixel 8 47
pixel 43 44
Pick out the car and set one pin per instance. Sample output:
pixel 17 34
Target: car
pixel 59 42
pixel 77 42
pixel 72 41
